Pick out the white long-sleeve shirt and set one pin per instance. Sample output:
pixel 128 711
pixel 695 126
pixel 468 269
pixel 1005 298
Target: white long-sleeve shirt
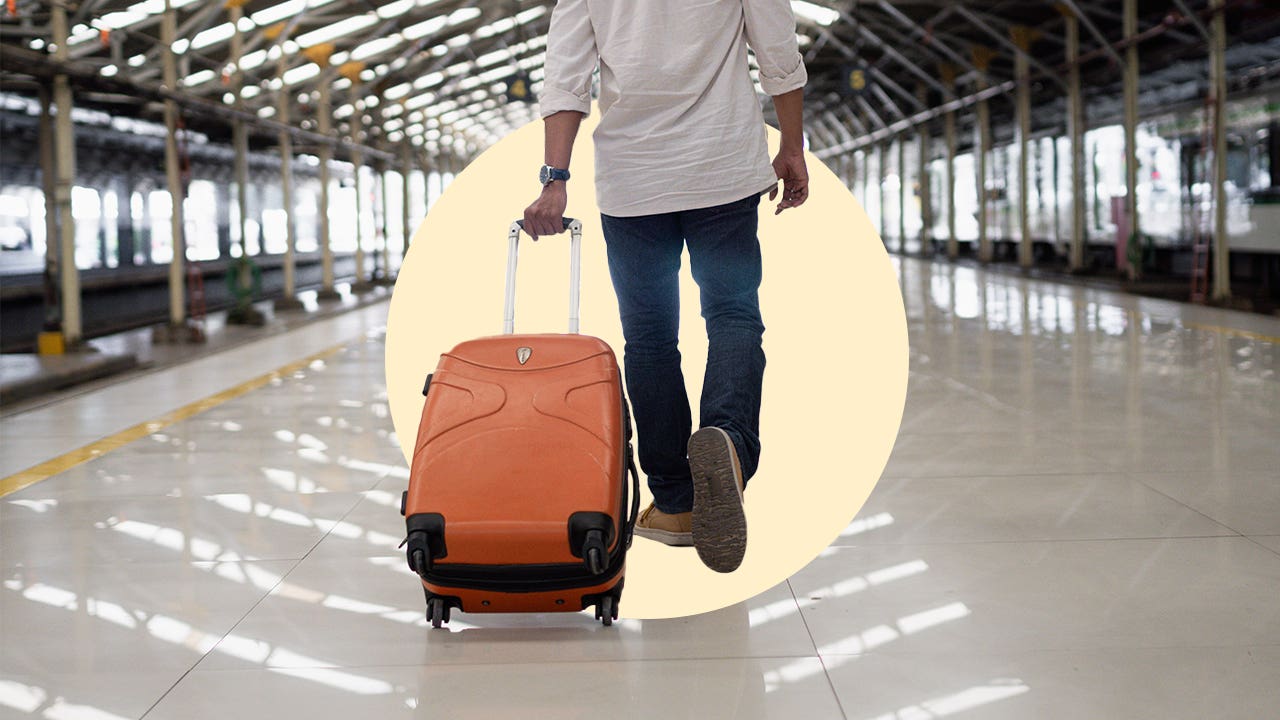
pixel 680 123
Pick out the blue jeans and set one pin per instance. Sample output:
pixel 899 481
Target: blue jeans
pixel 644 263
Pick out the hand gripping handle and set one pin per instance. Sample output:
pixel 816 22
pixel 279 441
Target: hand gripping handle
pixel 575 273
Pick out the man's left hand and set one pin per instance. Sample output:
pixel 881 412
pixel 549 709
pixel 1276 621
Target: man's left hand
pixel 790 168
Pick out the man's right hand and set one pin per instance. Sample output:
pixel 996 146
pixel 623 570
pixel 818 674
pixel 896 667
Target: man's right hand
pixel 546 215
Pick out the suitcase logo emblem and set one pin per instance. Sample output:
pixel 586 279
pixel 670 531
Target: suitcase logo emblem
pixel 522 354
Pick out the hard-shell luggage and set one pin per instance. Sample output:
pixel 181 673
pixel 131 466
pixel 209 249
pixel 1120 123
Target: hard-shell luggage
pixel 518 496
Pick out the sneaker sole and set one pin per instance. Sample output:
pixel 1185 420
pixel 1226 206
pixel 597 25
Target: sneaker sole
pixel 719 522
pixel 666 537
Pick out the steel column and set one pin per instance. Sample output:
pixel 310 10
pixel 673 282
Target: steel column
pixel 357 159
pixel 902 194
pixel 1022 72
pixel 239 138
pixel 981 145
pixel 880 198
pixel 1218 76
pixel 173 173
pixel 1075 131
pixel 1130 132
pixel 923 180
pixel 49 186
pixel 324 118
pixel 949 130
pixel 285 141
pixel 406 166
pixel 384 260
pixel 64 174
pixel 1057 193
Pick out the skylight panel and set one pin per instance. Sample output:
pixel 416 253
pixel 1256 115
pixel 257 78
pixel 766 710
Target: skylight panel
pixel 395 9
pixel 299 74
pixel 213 35
pixel 426 27
pixel 814 13
pixel 199 77
pixel 336 30
pixel 285 10
pixel 374 47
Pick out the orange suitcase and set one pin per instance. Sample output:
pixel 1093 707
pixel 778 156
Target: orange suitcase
pixel 518 498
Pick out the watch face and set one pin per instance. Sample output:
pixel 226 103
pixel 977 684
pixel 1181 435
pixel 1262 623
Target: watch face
pixel 543 174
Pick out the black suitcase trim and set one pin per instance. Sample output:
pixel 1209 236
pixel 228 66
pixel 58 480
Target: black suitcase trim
pixel 520 578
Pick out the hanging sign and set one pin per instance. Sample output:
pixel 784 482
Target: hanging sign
pixel 853 79
pixel 518 88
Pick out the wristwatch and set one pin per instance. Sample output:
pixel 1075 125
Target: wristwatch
pixel 548 174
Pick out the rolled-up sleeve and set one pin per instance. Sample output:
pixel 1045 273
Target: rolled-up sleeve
pixel 571 59
pixel 771 33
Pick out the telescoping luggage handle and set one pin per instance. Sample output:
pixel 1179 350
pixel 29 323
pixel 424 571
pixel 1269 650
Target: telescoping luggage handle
pixel 575 273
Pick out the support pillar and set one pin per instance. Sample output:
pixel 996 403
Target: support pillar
pixel 384 260
pixel 289 301
pixel 173 174
pixel 883 172
pixel 49 186
pixel 1075 133
pixel 1022 37
pixel 244 313
pixel 1134 242
pixel 64 158
pixel 948 73
pixel 406 166
pixel 924 181
pixel 1056 192
pixel 357 159
pixel 324 116
pixel 902 194
pixel 982 145
pixel 1218 75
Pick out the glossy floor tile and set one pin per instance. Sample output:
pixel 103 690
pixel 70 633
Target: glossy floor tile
pixel 1021 508
pixel 749 688
pixel 1009 596
pixel 352 612
pixel 1080 519
pixel 1173 683
pixel 1268 541
pixel 1247 501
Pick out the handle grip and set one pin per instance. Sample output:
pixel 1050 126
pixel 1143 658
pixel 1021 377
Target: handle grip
pixel 575 273
pixel 567 222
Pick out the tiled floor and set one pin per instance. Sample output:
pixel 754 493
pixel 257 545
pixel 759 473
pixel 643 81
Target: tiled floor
pixel 1081 519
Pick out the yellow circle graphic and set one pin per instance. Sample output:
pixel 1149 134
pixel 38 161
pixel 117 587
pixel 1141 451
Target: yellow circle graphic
pixel 836 344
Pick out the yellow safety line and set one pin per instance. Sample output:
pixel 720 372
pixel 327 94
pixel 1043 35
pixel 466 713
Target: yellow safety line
pixel 1238 333
pixel 62 463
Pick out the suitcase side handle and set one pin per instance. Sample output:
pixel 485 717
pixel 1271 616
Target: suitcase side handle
pixel 575 273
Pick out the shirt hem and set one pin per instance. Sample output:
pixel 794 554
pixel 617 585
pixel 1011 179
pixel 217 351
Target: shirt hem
pixel 686 201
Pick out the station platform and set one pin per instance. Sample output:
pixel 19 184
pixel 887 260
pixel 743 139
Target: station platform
pixel 28 379
pixel 1080 518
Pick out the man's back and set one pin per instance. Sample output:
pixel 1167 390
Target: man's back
pixel 681 125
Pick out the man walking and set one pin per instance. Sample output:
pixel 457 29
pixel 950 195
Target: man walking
pixel 681 158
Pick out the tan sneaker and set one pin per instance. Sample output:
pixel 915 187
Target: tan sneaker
pixel 669 529
pixel 719 526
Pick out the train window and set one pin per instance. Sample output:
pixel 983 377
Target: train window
pixel 200 220
pixel 86 209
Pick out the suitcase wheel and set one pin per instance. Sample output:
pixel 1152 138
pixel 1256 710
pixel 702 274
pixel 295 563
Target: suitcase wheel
pixel 437 612
pixel 607 610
